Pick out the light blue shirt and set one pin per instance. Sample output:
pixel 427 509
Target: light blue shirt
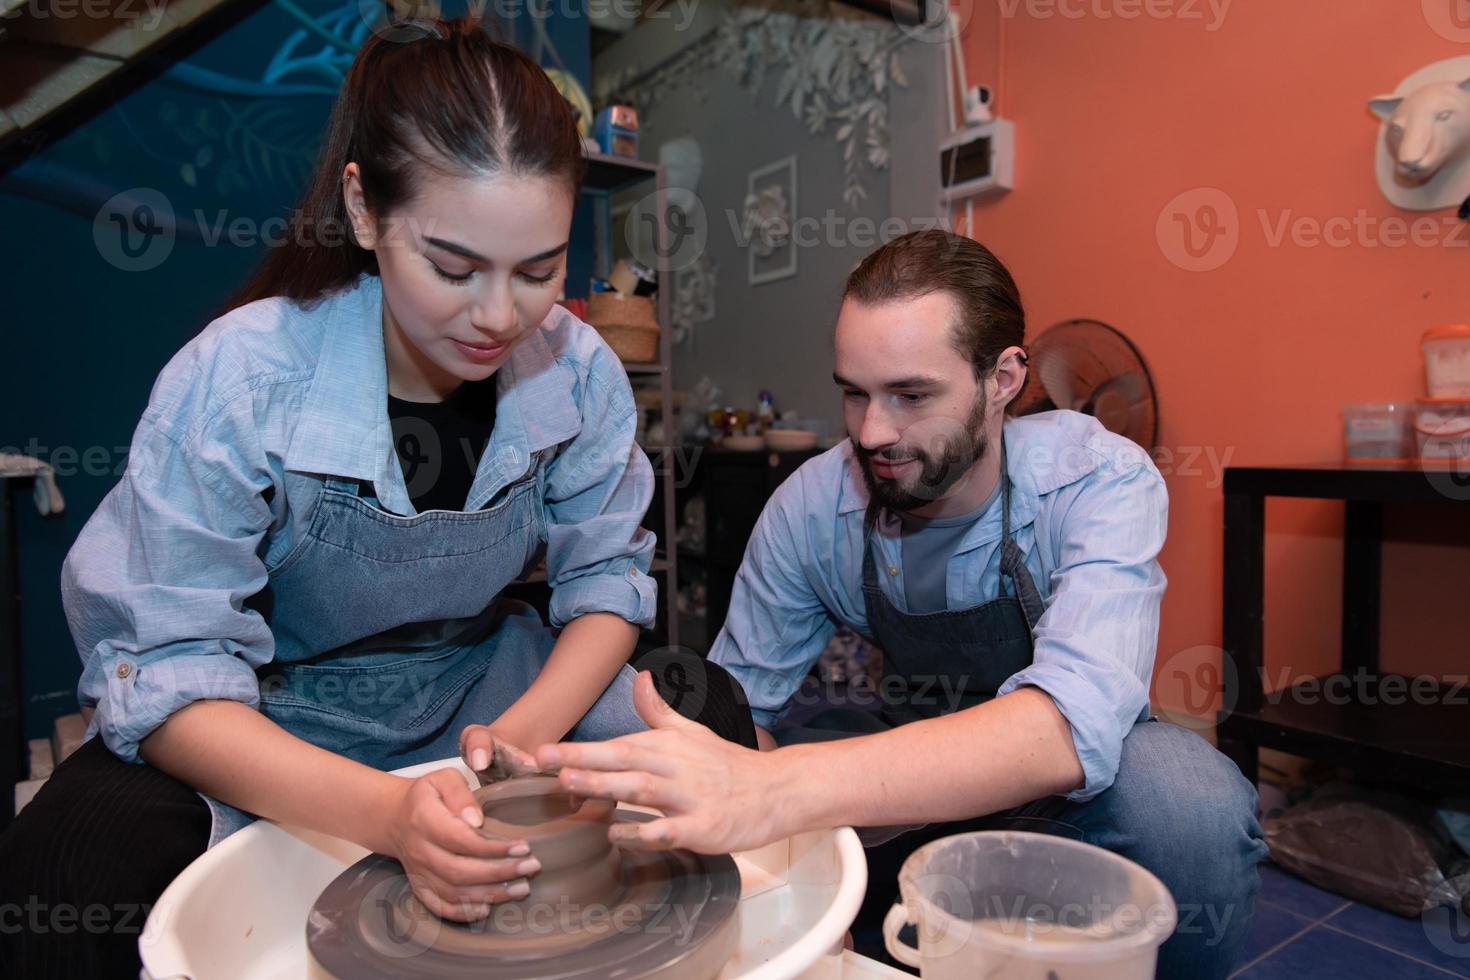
pixel 229 460
pixel 1089 511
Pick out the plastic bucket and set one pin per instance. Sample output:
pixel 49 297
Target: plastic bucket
pixel 1015 906
pixel 1443 430
pixel 1381 431
pixel 1447 361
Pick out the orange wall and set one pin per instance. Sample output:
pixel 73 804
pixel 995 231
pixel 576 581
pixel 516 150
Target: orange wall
pixel 1117 117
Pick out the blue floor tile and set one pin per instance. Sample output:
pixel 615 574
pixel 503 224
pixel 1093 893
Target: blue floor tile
pixel 1290 892
pixel 1270 926
pixel 1442 937
pixel 1327 953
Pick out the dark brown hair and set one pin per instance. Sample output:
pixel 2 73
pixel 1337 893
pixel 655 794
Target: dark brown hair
pixel 437 94
pixel 922 262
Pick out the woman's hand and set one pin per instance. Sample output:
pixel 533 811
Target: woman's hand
pixel 455 871
pixel 716 796
pixel 491 757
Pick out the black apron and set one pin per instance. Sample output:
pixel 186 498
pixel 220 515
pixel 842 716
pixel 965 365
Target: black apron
pixel 939 662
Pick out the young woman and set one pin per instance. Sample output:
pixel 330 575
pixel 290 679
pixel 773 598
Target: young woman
pixel 296 584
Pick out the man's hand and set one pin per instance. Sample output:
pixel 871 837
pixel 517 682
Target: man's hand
pixel 716 796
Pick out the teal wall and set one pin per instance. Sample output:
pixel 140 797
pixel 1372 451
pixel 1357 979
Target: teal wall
pixel 89 320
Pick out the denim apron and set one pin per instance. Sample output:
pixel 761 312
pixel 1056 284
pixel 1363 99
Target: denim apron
pixel 935 663
pixel 952 659
pixel 939 662
pixel 391 635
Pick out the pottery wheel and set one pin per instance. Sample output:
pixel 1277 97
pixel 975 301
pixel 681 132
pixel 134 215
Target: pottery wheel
pixel 672 915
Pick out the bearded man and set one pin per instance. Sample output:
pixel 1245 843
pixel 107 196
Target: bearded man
pixel 1008 570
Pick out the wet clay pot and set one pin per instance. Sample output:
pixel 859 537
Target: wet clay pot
pixel 593 910
pixel 579 865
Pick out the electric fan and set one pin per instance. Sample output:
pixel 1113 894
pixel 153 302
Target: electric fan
pixel 1090 367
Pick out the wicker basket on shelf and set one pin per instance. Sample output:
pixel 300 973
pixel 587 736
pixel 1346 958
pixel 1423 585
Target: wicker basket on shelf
pixel 627 323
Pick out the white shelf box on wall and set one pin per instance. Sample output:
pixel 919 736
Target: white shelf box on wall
pixel 978 161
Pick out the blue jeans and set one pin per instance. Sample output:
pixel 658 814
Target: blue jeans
pixel 1178 808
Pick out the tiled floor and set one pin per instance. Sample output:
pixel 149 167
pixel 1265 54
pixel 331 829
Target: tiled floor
pixel 1301 932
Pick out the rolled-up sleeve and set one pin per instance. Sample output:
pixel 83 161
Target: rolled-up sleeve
pixel 1095 642
pixel 598 489
pixel 777 625
pixel 155 587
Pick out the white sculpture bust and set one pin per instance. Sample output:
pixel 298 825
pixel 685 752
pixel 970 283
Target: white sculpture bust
pixel 1423 151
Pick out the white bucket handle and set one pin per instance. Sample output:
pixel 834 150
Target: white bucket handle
pixel 896 919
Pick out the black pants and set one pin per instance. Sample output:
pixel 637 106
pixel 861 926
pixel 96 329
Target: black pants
pixel 83 863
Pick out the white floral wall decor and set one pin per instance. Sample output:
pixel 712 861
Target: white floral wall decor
pixel 694 297
pixel 767 220
pixel 769 215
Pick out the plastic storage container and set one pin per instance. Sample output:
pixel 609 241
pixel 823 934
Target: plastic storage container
pixel 1442 427
pixel 1447 361
pixel 1380 432
pixel 1016 906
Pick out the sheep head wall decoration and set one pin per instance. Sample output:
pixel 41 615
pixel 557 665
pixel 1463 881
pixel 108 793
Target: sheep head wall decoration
pixel 1423 152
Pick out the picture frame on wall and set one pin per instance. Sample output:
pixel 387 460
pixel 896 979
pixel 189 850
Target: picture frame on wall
pixel 770 215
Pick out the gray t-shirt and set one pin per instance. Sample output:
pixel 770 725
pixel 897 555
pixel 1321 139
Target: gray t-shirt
pixel 928 545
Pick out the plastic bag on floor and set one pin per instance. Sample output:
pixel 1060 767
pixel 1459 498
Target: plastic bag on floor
pixel 1373 847
pixel 1455 818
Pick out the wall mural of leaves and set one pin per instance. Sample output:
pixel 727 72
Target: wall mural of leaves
pixel 833 77
pixel 237 127
pixel 253 133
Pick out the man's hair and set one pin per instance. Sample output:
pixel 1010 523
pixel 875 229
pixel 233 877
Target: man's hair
pixel 990 317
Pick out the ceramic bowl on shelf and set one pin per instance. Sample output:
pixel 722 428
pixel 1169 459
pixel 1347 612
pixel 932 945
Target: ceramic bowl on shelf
pixel 743 444
pixel 786 440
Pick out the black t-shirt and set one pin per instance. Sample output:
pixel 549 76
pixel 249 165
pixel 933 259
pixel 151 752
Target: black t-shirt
pixel 439 444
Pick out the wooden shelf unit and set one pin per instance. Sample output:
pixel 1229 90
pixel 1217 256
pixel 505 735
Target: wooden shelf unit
pixel 1421 738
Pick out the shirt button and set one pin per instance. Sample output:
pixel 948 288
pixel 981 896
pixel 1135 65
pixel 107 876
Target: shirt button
pixel 124 669
pixel 892 569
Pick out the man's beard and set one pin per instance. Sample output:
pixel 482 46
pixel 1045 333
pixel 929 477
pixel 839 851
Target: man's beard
pixel 942 465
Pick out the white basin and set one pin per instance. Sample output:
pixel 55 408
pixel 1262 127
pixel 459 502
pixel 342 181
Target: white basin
pixel 239 911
